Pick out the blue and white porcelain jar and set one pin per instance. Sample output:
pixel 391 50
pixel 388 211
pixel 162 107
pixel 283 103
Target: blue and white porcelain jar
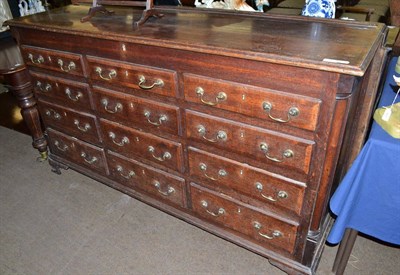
pixel 319 8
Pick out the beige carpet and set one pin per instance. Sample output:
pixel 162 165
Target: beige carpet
pixel 70 224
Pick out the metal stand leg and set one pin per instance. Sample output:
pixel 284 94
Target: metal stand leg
pixel 344 251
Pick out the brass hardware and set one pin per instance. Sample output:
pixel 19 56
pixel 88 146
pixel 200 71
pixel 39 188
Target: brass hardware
pixel 293 112
pixel 170 189
pixel 142 81
pixel 161 119
pixel 221 135
pixel 286 154
pixel 127 176
pixel 112 74
pixel 73 98
pixel 124 140
pixel 281 194
pixel 275 233
pixel 88 159
pixel 39 60
pixel 70 67
pixel 220 212
pixel 221 96
pixel 43 157
pixel 54 114
pixel 59 147
pixel 117 107
pixel 165 156
pixel 221 172
pixel 46 88
pixel 85 128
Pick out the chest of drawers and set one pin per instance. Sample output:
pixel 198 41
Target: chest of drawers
pixel 238 124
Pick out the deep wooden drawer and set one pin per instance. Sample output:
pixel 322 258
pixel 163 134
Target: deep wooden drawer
pixel 77 151
pixel 64 62
pixel 268 105
pixel 153 181
pixel 269 146
pixel 269 231
pixel 266 187
pixel 133 143
pixel 137 112
pixel 150 79
pixel 77 124
pixel 67 92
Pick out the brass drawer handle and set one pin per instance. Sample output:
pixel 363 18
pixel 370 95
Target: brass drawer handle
pixel 170 189
pixel 124 140
pixel 161 119
pixel 286 154
pixel 38 60
pixel 111 74
pixel 70 67
pixel 221 96
pixel 45 89
pixel 293 112
pixel 281 194
pixel 54 114
pixel 117 107
pixel 85 127
pixel 73 97
pixel 142 81
pixel 275 233
pixel 167 155
pixel 60 147
pixel 221 172
pixel 221 135
pixel 88 159
pixel 220 212
pixel 128 176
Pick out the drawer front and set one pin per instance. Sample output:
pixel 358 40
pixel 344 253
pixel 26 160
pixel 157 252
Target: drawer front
pixel 149 79
pixel 130 142
pixel 268 146
pixel 153 181
pixel 77 151
pixel 268 105
pixel 136 112
pixel 64 62
pixel 79 125
pixel 266 230
pixel 256 183
pixel 70 93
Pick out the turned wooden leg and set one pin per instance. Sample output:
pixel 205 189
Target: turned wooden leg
pixel 19 82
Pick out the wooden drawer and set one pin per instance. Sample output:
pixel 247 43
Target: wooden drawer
pixel 130 143
pixel 137 112
pixel 77 151
pixel 268 105
pixel 70 93
pixel 267 230
pixel 266 187
pixel 153 181
pixel 77 124
pixel 268 146
pixel 64 62
pixel 150 79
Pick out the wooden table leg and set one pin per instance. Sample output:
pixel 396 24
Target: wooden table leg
pixel 20 84
pixel 344 251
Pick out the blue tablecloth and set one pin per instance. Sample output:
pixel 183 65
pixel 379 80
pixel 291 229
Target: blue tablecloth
pixel 368 198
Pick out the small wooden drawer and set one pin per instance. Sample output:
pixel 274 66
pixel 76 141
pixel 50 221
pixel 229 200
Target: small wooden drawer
pixel 130 142
pixel 266 230
pixel 137 112
pixel 256 183
pixel 64 62
pixel 77 124
pixel 150 180
pixel 268 105
pixel 271 147
pixel 149 79
pixel 77 151
pixel 67 92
